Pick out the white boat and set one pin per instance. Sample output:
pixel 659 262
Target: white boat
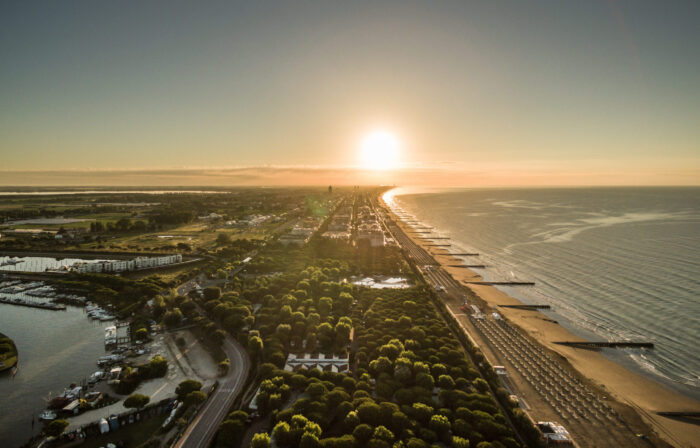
pixel 47 415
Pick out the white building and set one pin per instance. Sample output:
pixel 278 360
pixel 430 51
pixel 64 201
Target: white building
pixel 320 361
pixel 372 233
pixel 127 265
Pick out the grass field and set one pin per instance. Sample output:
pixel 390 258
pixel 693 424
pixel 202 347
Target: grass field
pixel 196 235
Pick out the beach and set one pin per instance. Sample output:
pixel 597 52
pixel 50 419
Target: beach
pixel 639 393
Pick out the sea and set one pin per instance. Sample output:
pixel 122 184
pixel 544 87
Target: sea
pixel 614 263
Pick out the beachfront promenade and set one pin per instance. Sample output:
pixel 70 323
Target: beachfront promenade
pixel 547 388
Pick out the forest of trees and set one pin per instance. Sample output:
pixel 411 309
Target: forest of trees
pixel 411 382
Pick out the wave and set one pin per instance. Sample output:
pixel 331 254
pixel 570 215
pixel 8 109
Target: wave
pixel 569 230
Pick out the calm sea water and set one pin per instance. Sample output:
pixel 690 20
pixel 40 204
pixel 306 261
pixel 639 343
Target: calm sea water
pixel 614 263
pixel 55 349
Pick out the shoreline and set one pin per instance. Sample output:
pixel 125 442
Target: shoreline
pixel 644 395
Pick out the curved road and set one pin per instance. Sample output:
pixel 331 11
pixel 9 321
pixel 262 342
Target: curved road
pixel 200 432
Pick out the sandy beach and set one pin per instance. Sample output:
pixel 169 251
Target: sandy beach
pixel 640 393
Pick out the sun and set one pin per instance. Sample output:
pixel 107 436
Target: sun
pixel 380 151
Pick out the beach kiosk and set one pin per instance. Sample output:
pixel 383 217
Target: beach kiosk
pixel 104 426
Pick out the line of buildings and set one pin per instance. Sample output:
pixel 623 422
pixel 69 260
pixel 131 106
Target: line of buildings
pixel 340 226
pixel 135 264
pixel 368 227
pixel 301 233
pixel 318 361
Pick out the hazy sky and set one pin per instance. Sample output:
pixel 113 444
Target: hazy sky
pixel 518 92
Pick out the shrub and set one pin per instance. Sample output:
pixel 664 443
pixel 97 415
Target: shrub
pixel 195 398
pixel 459 442
pixel 229 433
pixel 211 293
pixel 362 433
pixel 136 401
pixel 187 386
pixel 260 440
pixel 56 428
pixel 173 318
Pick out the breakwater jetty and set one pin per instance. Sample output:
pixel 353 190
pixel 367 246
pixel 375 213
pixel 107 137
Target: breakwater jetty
pixel 527 307
pixel 32 304
pixel 604 344
pixel 502 283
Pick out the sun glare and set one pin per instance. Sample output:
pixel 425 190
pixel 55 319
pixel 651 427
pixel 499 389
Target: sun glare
pixel 380 151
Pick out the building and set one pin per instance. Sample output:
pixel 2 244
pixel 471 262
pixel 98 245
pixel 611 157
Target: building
pixel 371 232
pixel 210 217
pixel 317 361
pixel 301 233
pixel 136 264
pixel 338 235
pixel 555 433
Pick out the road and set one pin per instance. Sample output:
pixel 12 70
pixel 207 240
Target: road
pixel 200 433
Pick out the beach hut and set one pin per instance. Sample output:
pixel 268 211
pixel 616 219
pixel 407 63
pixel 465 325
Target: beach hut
pixel 113 422
pixel 73 407
pixel 104 426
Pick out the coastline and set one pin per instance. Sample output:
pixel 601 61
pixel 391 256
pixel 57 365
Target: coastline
pixel 642 394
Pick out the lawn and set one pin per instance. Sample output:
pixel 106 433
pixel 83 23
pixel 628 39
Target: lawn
pixel 195 235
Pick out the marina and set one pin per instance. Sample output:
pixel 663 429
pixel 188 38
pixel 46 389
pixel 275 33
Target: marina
pixel 36 294
pixel 56 350
pixel 84 321
pixel 32 304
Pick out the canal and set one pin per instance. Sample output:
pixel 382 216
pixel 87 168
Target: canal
pixel 55 349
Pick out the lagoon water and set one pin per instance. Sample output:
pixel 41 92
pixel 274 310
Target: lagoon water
pixel 614 263
pixel 55 348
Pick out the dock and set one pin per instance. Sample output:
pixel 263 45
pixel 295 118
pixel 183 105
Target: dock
pixel 433 237
pixel 465 254
pixel 477 266
pixel 527 307
pixel 42 305
pixel 438 245
pixel 604 344
pixel 502 283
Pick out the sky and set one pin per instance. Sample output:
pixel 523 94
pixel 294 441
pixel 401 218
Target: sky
pixel 478 93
